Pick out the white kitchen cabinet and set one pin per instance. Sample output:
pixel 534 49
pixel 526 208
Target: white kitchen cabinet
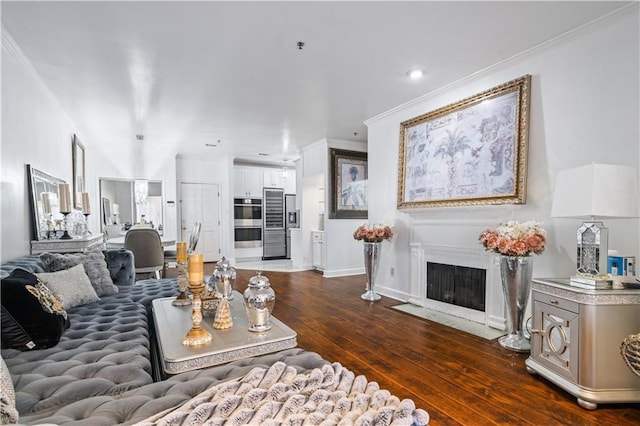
pixel 317 240
pixel 273 178
pixel 247 182
pixel 290 182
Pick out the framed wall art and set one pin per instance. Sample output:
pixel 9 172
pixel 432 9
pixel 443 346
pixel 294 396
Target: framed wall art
pixel 79 178
pixel 348 182
pixel 468 153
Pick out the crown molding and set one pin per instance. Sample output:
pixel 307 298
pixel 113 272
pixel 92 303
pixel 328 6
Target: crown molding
pixel 10 46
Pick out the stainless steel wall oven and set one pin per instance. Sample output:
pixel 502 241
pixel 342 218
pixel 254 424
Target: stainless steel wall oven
pixel 247 212
pixel 247 222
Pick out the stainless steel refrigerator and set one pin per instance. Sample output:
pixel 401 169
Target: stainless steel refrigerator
pixel 274 245
pixel 291 215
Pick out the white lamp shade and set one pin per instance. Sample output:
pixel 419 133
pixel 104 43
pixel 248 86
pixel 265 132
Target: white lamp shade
pixel 596 190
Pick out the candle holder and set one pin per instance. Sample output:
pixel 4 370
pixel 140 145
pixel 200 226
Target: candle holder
pixel 182 299
pixel 197 335
pixel 46 221
pixel 65 226
pixel 85 226
pixel 51 233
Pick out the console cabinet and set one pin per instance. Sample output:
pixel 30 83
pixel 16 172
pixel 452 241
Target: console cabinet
pixel 575 340
pixel 74 245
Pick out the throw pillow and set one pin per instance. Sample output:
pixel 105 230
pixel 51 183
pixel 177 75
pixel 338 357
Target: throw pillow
pixel 70 286
pixel 94 265
pixel 8 411
pixel 35 318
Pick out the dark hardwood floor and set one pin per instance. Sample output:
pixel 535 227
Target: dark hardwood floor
pixel 460 379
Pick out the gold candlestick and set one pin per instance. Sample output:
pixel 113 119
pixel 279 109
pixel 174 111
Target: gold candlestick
pixel 196 335
pixel 181 263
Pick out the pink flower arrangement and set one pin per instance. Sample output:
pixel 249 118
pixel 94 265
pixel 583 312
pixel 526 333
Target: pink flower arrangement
pixel 373 233
pixel 515 239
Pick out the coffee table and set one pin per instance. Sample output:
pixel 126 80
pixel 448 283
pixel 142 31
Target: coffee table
pixel 237 342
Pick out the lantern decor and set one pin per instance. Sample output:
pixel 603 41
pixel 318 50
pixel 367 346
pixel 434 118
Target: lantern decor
pixel 259 299
pixel 224 278
pixel 181 263
pixel 196 335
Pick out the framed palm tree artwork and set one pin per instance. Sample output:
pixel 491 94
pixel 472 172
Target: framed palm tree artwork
pixel 468 153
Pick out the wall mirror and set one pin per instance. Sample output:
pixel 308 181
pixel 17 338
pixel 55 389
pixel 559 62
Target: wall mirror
pixel 43 201
pixel 119 210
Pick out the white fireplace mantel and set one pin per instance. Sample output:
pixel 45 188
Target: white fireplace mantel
pixel 421 253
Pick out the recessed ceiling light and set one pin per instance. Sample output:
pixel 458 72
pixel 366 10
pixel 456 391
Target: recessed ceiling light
pixel 415 73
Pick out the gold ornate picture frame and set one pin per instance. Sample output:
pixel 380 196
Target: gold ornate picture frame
pixel 471 152
pixel 79 178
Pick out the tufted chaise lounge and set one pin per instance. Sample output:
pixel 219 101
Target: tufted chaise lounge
pixel 101 371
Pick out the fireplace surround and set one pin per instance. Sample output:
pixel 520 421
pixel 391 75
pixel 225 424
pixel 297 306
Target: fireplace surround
pixel 422 254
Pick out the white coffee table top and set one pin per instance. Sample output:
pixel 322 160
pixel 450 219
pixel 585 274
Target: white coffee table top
pixel 173 322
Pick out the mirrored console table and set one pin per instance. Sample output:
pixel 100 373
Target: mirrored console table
pixel 576 337
pixel 74 245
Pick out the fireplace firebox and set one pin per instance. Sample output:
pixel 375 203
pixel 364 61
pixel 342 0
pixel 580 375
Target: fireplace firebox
pixel 457 285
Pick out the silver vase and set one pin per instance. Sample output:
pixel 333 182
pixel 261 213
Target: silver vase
pixel 371 262
pixel 515 272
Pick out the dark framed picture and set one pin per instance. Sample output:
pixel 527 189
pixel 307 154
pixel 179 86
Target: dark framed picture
pixel 79 179
pixel 468 153
pixel 348 183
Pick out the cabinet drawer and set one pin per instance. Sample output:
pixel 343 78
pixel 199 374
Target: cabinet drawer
pixel 559 302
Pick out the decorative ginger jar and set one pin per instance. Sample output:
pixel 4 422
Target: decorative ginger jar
pixel 224 278
pixel 259 299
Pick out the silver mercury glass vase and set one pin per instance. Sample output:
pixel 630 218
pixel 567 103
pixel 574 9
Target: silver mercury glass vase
pixel 371 263
pixel 259 299
pixel 515 272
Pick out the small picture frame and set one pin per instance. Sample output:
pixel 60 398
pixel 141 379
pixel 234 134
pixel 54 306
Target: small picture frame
pixel 349 184
pixel 79 178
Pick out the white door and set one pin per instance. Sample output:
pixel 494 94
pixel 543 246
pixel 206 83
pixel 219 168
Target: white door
pixel 200 202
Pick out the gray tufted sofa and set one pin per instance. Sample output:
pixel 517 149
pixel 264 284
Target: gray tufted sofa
pixel 101 371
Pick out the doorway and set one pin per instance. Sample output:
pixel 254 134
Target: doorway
pixel 200 202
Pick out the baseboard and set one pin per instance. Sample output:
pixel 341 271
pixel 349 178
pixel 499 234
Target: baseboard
pixel 334 273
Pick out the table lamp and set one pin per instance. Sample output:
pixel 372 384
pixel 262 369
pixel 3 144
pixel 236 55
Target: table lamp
pixel 595 191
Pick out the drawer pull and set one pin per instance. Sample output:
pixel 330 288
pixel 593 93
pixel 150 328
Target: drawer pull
pixel 553 301
pixel 533 331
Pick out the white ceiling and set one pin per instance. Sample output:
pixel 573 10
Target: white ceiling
pixel 186 74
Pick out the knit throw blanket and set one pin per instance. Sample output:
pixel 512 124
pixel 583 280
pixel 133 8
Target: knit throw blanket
pixel 331 395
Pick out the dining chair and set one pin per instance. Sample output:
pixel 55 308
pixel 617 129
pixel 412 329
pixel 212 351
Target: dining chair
pixel 148 253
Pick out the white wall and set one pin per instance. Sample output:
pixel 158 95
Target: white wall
pixel 584 108
pixel 36 131
pixel 342 254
